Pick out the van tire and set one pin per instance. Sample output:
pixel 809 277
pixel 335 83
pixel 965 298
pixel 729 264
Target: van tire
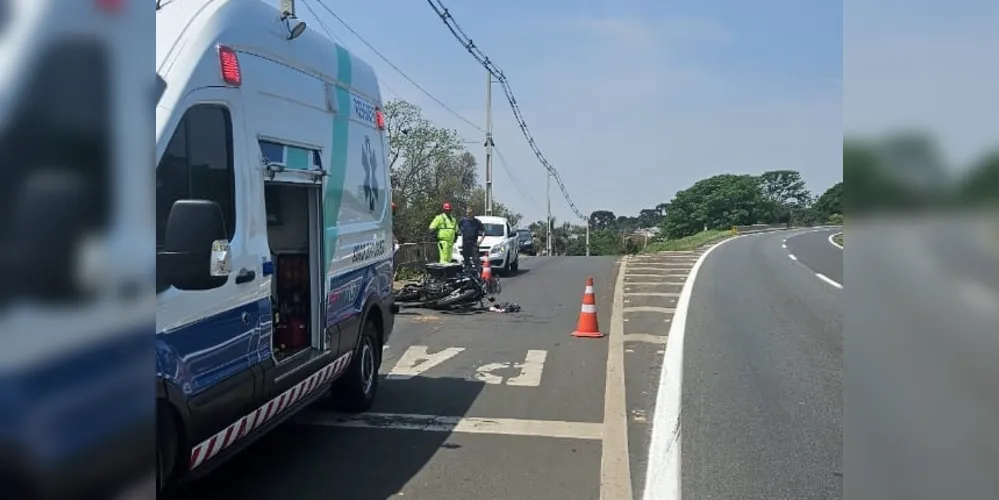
pixel 515 267
pixel 355 391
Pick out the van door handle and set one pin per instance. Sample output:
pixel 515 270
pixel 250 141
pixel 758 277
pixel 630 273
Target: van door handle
pixel 245 276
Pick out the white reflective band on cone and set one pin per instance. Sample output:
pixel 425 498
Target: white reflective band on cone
pixel 589 308
pixel 589 289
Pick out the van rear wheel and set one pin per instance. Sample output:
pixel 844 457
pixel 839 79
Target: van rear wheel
pixel 355 390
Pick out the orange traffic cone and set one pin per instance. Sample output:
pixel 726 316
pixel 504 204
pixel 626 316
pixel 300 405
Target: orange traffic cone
pixel 487 272
pixel 587 325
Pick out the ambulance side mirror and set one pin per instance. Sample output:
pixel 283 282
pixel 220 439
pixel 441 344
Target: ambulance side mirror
pixel 193 230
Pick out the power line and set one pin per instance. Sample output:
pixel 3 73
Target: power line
pixel 527 196
pixel 329 33
pixel 396 68
pixel 466 42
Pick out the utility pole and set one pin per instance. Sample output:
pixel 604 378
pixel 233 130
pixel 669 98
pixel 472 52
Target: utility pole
pixel 587 236
pixel 548 194
pixel 489 143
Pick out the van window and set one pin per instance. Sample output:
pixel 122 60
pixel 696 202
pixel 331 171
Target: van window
pixel 198 164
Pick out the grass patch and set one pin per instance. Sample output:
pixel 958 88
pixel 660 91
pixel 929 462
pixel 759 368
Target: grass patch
pixel 691 242
pixel 838 239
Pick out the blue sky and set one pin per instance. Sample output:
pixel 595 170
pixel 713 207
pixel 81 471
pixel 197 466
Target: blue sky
pixel 631 100
pixel 927 64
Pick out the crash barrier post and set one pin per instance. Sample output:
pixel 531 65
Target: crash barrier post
pixel 587 326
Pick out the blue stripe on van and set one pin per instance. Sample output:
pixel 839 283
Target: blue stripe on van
pixel 338 161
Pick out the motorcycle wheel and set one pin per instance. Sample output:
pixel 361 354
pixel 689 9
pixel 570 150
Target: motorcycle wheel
pixel 467 295
pixel 409 293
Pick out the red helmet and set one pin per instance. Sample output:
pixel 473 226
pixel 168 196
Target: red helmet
pixel 447 206
pixel 393 207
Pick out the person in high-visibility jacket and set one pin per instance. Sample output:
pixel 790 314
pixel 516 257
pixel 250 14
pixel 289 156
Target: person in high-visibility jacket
pixel 445 228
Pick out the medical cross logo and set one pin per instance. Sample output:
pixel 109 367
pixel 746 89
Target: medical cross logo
pixel 370 162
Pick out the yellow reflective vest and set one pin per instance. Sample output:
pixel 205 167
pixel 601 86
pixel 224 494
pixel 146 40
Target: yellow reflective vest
pixel 446 227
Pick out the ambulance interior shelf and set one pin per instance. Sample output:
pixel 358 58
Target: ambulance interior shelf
pixel 290 302
pixel 289 239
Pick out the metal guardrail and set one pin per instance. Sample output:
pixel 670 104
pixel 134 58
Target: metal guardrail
pixel 759 228
pixel 415 255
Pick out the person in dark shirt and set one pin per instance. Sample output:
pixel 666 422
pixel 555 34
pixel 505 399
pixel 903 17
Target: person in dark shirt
pixel 472 233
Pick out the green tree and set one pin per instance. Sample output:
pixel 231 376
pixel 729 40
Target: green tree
pixel 429 165
pixel 718 202
pixel 603 219
pixel 981 183
pixel 872 187
pixel 784 193
pixel 831 202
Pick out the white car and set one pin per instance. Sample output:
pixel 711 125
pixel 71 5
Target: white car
pixel 499 246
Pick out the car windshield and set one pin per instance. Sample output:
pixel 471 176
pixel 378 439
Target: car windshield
pixel 494 229
pixel 523 235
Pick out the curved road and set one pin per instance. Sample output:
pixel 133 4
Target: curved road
pixel 813 249
pixel 762 389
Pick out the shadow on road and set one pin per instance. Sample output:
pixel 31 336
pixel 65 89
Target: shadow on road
pixel 314 462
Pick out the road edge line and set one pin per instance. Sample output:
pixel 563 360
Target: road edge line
pixel 615 461
pixel 831 240
pixel 662 475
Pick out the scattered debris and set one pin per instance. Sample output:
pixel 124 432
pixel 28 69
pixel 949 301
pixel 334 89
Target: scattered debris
pixel 505 307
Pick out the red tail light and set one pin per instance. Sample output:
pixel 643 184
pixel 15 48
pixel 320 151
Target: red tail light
pixel 230 66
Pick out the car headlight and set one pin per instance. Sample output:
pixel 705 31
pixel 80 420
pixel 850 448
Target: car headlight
pixel 497 248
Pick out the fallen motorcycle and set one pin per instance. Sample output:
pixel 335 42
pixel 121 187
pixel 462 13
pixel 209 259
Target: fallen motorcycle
pixel 447 286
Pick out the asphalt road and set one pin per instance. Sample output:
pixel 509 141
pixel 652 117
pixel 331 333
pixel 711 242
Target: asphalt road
pixel 762 392
pixel 922 349
pixel 813 249
pixel 473 406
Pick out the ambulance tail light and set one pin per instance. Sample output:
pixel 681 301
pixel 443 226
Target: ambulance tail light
pixel 379 119
pixel 229 64
pixel 110 6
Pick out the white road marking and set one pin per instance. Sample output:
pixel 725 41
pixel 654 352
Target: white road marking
pixel 653 283
pixel 417 360
pixel 784 246
pixel 791 255
pixel 641 275
pixel 651 294
pixel 615 466
pixel 485 373
pixel 833 242
pixel 470 425
pixel 655 309
pixel 647 268
pixel 662 477
pixel 829 280
pixel 530 371
pixel 645 337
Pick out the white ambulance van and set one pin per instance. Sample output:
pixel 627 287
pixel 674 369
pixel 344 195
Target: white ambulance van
pixel 273 228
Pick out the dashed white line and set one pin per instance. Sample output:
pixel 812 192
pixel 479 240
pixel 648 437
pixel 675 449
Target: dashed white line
pixel 791 255
pixel 829 280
